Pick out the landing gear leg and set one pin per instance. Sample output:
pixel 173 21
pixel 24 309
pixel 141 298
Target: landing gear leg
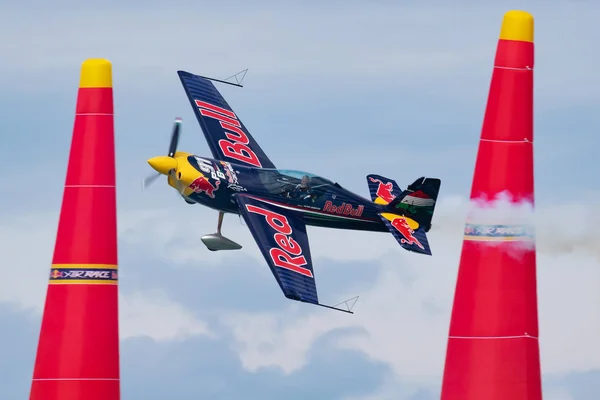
pixel 216 241
pixel 220 222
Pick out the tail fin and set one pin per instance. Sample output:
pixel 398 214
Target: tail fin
pixel 418 201
pixel 409 212
pixel 382 189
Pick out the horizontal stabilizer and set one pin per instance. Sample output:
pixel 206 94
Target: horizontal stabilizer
pixel 409 234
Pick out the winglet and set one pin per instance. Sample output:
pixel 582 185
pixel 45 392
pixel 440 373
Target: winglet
pixel 346 302
pixel 238 80
pixel 236 76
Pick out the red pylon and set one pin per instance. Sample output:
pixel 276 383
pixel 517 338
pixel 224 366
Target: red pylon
pixel 78 350
pixel 493 348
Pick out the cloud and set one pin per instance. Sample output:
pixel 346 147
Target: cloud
pixel 143 312
pixel 292 46
pixel 402 318
pixel 28 242
pixel 18 340
pixel 558 394
pixel 201 366
pixel 273 40
pixel 152 314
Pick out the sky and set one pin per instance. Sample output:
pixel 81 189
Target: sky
pixel 337 88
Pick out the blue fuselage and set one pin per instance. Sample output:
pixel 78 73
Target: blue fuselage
pixel 319 201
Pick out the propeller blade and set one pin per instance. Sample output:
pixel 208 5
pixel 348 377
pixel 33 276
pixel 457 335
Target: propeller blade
pixel 164 164
pixel 149 180
pixel 175 137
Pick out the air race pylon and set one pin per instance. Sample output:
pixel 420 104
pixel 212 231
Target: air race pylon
pixel 78 350
pixel 493 350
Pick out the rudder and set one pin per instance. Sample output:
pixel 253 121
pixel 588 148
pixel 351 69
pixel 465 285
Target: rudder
pixel 418 201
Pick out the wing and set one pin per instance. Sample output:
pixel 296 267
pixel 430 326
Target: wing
pixel 282 239
pixel 227 137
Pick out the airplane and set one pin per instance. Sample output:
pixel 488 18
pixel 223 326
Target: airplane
pixel 278 204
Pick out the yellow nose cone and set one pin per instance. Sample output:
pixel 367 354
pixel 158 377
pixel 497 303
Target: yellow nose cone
pixel 163 164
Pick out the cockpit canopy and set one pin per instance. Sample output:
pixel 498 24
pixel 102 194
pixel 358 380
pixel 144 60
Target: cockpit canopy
pixel 292 176
pixel 295 175
pixel 281 181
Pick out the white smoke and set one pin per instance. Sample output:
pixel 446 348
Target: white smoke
pixel 502 222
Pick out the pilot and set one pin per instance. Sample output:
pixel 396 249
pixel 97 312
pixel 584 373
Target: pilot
pixel 303 183
pixel 302 191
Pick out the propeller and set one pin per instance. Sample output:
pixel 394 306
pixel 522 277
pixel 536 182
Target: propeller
pixel 149 180
pixel 166 165
pixel 175 137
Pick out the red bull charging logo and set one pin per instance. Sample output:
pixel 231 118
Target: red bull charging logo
pixel 202 184
pixel 402 226
pixel 384 190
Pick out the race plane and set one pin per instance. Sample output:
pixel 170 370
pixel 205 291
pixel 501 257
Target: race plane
pixel 278 204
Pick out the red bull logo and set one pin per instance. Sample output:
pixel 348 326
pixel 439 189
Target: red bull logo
pixel 202 184
pixel 384 190
pixel 402 226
